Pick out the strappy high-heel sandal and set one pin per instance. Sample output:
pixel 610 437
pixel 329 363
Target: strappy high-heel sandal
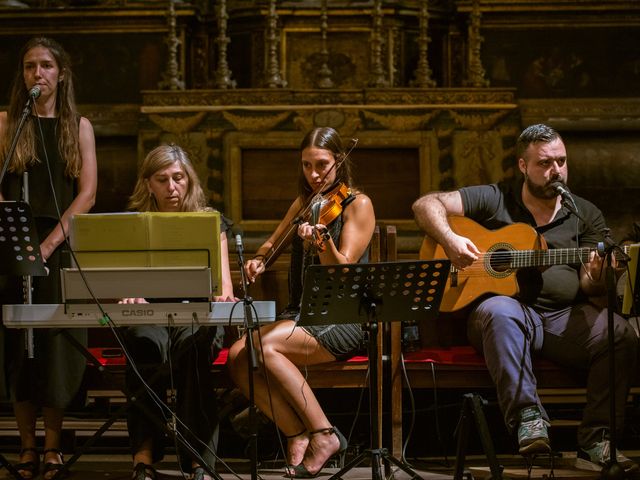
pixel 295 434
pixel 30 467
pixel 54 470
pixel 143 471
pixel 300 471
pixel 289 468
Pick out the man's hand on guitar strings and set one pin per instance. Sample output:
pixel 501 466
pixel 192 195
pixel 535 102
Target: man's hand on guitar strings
pixel 460 250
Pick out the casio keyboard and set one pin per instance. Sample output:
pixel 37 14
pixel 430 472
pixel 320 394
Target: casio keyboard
pixel 161 283
pixel 165 314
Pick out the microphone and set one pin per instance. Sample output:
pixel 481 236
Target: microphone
pixel 34 92
pixel 240 251
pixel 562 190
pixel 243 277
pixel 239 246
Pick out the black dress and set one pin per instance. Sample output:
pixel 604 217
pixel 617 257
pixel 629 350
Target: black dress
pixel 53 377
pixel 341 340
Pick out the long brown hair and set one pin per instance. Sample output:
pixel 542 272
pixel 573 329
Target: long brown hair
pixel 66 111
pixel 158 159
pixel 325 138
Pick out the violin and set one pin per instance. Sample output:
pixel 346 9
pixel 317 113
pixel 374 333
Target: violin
pixel 326 210
pixel 332 204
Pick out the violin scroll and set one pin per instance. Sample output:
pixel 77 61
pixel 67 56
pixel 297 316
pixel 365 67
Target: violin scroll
pixel 254 267
pixel 320 236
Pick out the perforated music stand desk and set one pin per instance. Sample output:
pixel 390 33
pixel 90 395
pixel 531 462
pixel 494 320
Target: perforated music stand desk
pixel 19 245
pixel 370 293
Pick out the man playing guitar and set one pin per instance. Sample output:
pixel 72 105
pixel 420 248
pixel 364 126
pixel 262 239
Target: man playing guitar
pixel 551 315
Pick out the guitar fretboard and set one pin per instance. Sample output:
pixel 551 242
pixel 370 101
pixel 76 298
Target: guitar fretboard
pixel 544 258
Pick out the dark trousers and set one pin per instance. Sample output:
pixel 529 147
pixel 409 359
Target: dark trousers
pixel 509 333
pixel 189 351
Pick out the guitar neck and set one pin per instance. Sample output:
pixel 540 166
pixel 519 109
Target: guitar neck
pixel 545 258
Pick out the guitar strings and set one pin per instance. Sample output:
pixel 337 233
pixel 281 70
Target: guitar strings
pixel 513 259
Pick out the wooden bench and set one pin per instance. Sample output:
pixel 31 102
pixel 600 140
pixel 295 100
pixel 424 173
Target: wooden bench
pixel 453 364
pixel 351 373
pixel 461 368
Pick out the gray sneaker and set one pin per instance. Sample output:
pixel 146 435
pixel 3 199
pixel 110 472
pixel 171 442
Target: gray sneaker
pixel 595 457
pixel 533 437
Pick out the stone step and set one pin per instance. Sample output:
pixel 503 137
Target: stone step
pixel 81 426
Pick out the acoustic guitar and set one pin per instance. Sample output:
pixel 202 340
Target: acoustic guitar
pixel 504 252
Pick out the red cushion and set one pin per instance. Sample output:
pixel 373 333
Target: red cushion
pixel 358 359
pixel 457 355
pixel 108 356
pixel 115 357
pixel 221 359
pixel 461 355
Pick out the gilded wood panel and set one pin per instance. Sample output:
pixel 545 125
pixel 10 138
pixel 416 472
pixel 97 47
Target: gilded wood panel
pixel 261 173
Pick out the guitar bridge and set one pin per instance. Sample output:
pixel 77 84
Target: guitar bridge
pixel 453 276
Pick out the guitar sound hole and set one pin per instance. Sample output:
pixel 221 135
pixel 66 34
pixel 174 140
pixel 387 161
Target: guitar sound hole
pixel 500 260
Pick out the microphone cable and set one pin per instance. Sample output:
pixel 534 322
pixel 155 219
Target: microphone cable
pixel 106 319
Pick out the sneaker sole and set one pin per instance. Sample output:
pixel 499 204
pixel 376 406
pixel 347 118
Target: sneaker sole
pixel 537 446
pixel 631 468
pixel 583 464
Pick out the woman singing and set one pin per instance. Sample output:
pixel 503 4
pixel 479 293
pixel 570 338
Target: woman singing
pixel 57 150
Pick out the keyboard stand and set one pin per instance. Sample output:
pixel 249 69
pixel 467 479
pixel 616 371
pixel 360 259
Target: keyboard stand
pixel 131 398
pixel 63 316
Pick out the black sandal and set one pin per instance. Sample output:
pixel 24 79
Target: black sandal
pixel 143 471
pixel 300 471
pixel 31 466
pixel 59 469
pixel 296 434
pixel 199 473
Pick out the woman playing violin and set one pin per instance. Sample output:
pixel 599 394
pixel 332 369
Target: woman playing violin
pixel 282 347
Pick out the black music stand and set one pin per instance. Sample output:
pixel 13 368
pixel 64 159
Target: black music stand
pixel 369 293
pixel 19 245
pixel 19 256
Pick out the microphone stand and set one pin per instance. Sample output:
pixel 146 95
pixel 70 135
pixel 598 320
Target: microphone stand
pixel 252 362
pixel 27 280
pixel 612 469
